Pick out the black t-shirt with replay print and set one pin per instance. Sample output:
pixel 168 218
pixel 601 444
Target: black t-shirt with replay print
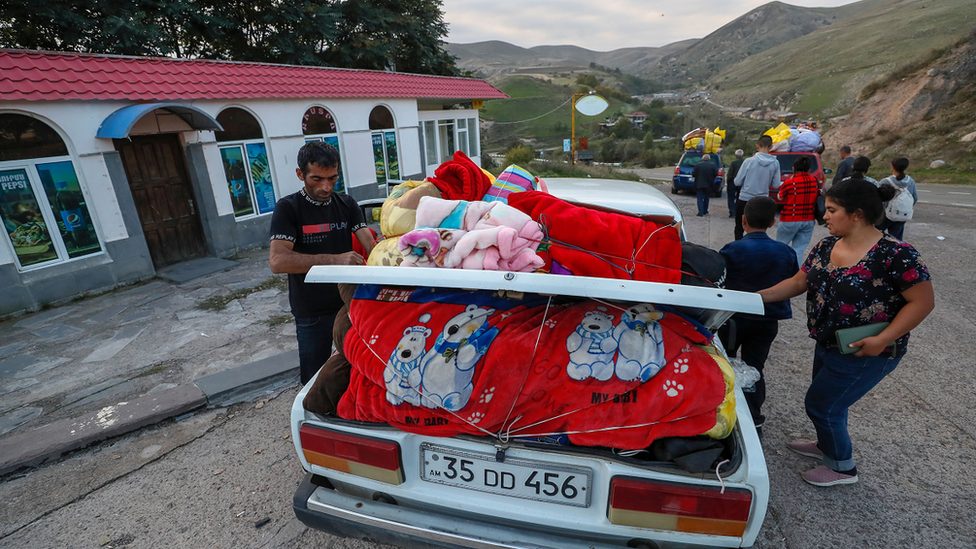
pixel 315 228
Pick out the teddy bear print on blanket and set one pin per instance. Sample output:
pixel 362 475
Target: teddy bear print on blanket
pixel 502 363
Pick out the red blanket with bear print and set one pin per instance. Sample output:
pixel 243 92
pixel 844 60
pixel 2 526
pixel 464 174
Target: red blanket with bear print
pixel 443 362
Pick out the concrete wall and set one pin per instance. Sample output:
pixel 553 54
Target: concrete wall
pixel 125 257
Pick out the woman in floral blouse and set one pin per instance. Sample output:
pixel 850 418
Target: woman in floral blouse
pixel 856 276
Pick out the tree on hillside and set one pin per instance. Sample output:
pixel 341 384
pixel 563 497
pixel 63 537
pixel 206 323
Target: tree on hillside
pixel 405 35
pixel 371 34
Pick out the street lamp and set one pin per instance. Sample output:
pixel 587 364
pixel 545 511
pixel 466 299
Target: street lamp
pixel 589 104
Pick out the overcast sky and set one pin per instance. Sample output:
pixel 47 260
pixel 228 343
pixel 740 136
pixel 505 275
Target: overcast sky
pixel 600 25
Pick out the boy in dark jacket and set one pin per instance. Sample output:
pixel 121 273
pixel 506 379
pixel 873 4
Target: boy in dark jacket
pixel 753 263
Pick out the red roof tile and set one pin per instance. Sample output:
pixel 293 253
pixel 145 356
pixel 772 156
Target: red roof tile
pixel 34 75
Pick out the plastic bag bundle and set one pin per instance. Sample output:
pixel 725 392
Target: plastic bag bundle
pixel 713 140
pixel 704 140
pixel 805 141
pixel 779 133
pixel 745 376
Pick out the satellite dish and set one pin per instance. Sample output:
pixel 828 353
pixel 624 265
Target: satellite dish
pixel 592 105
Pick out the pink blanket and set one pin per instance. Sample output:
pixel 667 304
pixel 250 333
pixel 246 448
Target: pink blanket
pixel 471 235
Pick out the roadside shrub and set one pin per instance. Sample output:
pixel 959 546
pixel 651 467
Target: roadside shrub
pixel 519 154
pixel 487 162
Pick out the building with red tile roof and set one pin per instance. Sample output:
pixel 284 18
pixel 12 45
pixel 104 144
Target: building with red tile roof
pixel 112 167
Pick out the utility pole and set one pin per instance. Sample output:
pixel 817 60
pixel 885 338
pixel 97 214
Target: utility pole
pixel 572 141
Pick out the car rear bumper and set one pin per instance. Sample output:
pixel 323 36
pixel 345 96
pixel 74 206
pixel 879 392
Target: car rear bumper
pixel 326 509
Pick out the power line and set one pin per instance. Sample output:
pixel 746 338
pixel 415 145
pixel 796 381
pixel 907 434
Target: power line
pixel 537 117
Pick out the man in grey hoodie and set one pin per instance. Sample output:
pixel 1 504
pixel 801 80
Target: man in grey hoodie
pixel 758 174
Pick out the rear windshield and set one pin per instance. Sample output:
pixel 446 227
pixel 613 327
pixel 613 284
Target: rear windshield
pixel 690 160
pixel 786 161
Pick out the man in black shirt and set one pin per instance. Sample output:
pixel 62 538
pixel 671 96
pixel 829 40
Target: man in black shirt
pixel 315 226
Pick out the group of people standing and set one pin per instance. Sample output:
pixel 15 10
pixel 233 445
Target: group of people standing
pixel 862 276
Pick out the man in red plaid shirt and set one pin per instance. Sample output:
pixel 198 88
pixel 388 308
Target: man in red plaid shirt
pixel 799 194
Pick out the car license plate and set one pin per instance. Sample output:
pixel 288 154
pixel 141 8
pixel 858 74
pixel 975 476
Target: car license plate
pixel 520 478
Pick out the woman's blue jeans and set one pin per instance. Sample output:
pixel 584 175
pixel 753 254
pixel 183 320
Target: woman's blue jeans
pixel 838 382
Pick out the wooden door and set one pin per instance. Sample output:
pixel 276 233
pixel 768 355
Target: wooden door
pixel 163 196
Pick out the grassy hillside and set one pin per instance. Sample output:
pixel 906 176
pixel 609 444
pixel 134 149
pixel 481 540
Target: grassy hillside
pixel 824 71
pixel 521 117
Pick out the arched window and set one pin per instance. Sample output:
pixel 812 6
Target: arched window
pixel 42 204
pixel 319 125
pixel 383 130
pixel 246 167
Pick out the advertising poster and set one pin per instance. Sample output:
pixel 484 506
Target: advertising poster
pixel 69 208
pixel 379 157
pixel 340 186
pixel 261 176
pixel 236 173
pixel 23 221
pixel 392 161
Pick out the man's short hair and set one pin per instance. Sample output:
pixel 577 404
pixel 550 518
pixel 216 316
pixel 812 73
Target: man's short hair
pixel 845 149
pixel 802 164
pixel 861 164
pixel 765 141
pixel 319 153
pixel 706 157
pixel 738 152
pixel 760 212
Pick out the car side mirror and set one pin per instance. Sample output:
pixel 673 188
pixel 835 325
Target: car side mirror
pixel 828 171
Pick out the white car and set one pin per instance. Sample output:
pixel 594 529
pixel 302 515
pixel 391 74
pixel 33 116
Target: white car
pixel 375 482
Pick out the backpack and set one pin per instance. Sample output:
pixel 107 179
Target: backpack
pixel 900 207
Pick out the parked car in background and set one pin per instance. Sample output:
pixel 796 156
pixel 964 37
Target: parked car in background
pixel 786 160
pixel 682 180
pixel 375 482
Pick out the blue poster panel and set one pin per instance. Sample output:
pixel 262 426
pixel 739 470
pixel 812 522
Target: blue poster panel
pixel 379 158
pixel 236 174
pixel 23 220
pixel 392 161
pixel 264 193
pixel 340 185
pixel 69 208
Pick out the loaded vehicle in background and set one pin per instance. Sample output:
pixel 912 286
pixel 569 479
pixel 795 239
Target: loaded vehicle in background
pixel 682 181
pixel 789 143
pixel 697 143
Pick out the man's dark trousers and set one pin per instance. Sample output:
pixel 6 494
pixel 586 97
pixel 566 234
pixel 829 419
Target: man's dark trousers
pixel 753 338
pixel 702 200
pixel 740 210
pixel 732 194
pixel 314 334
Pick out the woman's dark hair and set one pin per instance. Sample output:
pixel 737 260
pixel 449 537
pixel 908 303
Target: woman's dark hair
pixel 861 164
pixel 802 164
pixel 858 194
pixel 321 154
pixel 900 164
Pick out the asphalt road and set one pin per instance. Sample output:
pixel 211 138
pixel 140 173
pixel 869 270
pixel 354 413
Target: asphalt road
pixel 943 195
pixel 208 480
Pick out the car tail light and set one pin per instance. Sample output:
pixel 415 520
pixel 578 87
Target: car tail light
pixel 677 170
pixel 679 507
pixel 361 456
